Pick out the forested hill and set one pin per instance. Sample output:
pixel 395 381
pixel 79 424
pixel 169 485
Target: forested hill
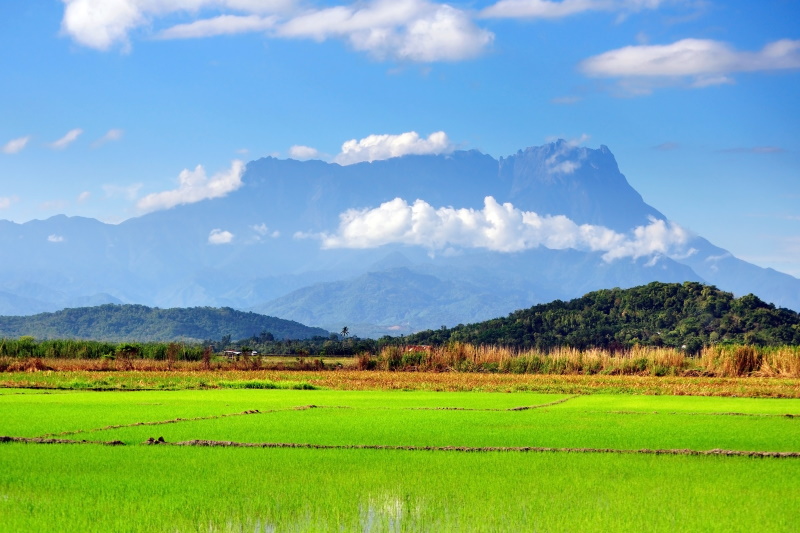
pixel 117 323
pixel 658 314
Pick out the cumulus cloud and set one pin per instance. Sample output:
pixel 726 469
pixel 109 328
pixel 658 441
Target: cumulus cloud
pixel 303 152
pixel 222 25
pixel 693 62
pixel 377 147
pixel 55 238
pixel 496 227
pixel 103 24
pixel 110 136
pixel 218 236
pixel 406 30
pixel 194 186
pixel 262 231
pixel 14 146
pixel 549 9
pixel 70 137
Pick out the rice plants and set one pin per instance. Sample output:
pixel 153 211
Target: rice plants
pixel 92 488
pixel 141 487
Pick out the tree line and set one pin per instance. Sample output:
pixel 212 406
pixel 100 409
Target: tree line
pixel 686 315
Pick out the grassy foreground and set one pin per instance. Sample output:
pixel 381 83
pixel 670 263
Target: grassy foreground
pixel 610 481
pixel 94 488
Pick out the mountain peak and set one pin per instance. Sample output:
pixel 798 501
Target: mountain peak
pixel 584 184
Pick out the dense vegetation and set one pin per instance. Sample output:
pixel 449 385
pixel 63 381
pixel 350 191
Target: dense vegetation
pixel 117 323
pixel 689 315
pixel 28 347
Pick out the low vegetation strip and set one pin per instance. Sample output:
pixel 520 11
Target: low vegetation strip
pixel 465 449
pixel 477 449
pixel 44 440
pixel 520 408
pixel 354 380
pixel 779 415
pixel 161 422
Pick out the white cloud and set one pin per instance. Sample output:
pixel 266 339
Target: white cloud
pixel 70 137
pixel 263 231
pixel 6 201
pixel 557 164
pixel 303 152
pixel 15 146
pixel 501 228
pixel 548 9
pixel 377 147
pixel 221 25
pixel 111 135
pixel 564 167
pixel 406 30
pixel 102 24
pixel 701 62
pixel 218 236
pixel 195 186
pixel 130 192
pixel 84 197
pixel 55 238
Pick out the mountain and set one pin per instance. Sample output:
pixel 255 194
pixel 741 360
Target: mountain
pixel 688 315
pixel 392 246
pixel 117 323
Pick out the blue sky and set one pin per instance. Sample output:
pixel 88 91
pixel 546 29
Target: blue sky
pixel 107 105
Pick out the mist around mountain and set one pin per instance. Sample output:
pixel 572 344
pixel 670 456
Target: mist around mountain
pixel 387 247
pixel 139 323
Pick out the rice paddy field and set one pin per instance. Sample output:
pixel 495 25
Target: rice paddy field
pixel 244 455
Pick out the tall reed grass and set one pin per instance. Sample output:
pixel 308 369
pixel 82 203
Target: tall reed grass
pixel 726 361
pixel 26 354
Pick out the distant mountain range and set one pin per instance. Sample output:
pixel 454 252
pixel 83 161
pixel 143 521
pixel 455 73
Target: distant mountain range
pixel 388 247
pixel 119 323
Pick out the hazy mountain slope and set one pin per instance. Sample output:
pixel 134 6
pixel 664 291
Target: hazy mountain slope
pixel 478 286
pixel 274 256
pixel 140 323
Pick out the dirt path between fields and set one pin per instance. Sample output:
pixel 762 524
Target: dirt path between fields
pixel 463 449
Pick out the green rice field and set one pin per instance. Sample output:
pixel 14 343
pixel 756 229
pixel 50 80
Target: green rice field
pixel 334 460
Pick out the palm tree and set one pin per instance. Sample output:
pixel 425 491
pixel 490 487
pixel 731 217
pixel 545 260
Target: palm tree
pixel 345 332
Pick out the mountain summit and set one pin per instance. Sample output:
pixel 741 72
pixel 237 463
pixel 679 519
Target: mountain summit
pixel 390 246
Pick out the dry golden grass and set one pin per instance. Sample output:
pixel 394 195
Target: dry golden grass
pixel 768 387
pixel 723 361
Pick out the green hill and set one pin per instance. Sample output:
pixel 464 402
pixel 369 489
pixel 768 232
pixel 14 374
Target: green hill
pixel 686 315
pixel 117 323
